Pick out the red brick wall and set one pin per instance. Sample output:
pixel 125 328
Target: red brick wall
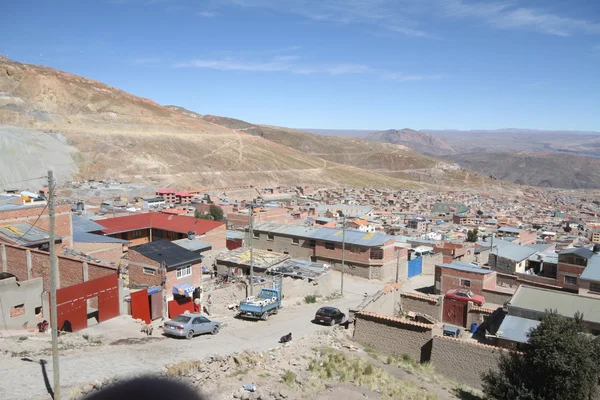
pixel 217 237
pixel 527 237
pixel 138 277
pixel 70 269
pixel 194 279
pixel 109 252
pixel 450 279
pixel 357 254
pixel 568 270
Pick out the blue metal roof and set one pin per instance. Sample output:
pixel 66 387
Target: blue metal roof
pixel 351 237
pixel 509 229
pixel 81 224
pixel 515 329
pixel 592 271
pixel 85 237
pixel 235 235
pixel 460 266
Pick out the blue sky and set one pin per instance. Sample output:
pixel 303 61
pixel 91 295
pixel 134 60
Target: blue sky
pixel 347 64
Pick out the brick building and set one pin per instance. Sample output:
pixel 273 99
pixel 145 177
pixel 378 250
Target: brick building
pixel 168 195
pixel 275 215
pixel 88 240
pixel 571 264
pixel 148 227
pixel 455 252
pixel 151 264
pixel 458 275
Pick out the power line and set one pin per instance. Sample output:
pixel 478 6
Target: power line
pixel 24 180
pixel 32 225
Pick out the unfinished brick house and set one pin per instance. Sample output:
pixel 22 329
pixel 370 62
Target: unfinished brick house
pixel 458 275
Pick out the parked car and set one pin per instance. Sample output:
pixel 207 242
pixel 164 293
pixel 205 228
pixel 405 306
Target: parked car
pixel 329 315
pixel 465 295
pixel 190 325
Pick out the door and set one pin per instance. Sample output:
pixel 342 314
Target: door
pixel 415 267
pixel 201 325
pixel 140 305
pixel 454 312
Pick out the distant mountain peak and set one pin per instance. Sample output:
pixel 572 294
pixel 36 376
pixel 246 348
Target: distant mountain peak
pixel 416 140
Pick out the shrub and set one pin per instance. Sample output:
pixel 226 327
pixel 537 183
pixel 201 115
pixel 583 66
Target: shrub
pixel 310 299
pixel 289 377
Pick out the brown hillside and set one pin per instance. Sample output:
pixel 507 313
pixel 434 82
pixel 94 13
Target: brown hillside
pixel 118 135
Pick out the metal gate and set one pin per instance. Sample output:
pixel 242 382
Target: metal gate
pixel 415 267
pixel 71 302
pixel 140 305
pixel 455 312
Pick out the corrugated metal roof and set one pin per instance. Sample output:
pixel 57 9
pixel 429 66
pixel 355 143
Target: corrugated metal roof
pixel 82 224
pixel 509 229
pixel 515 329
pixel 592 271
pixel 351 237
pixel 193 245
pixel 24 234
pixel 566 304
pixel 86 237
pixel 235 235
pixel 581 252
pixel 460 266
pixel 512 251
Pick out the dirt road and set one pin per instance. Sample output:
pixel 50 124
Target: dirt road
pixel 115 356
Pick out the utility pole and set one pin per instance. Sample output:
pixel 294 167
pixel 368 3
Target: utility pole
pixel 251 223
pixel 343 251
pixel 398 266
pixel 53 284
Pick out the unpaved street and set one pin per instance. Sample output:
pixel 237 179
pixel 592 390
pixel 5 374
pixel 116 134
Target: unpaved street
pixel 84 364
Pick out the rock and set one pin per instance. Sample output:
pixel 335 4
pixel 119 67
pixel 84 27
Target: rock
pixel 238 394
pixel 245 396
pixel 284 393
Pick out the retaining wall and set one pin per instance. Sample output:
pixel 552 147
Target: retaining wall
pixel 423 304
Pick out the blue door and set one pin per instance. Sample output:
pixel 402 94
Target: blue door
pixel 415 267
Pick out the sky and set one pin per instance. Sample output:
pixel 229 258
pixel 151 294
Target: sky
pixel 331 64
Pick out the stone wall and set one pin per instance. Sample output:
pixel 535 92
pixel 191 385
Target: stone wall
pixel 422 304
pixel 463 361
pixel 393 335
pixel 477 315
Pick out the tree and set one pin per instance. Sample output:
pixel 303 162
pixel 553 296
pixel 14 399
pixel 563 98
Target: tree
pixel 200 215
pixel 472 235
pixel 208 199
pixel 559 361
pixel 479 212
pixel 567 228
pixel 216 212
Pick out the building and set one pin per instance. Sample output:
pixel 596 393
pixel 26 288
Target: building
pixel 534 303
pixel 276 215
pixel 461 219
pixel 370 255
pixel 520 236
pixel 448 208
pixel 27 235
pixel 361 225
pixel 509 258
pixel 236 263
pixel 168 195
pixel 455 252
pixel 235 240
pixel 163 262
pixel 594 235
pixel 459 275
pixel 88 241
pixel 350 211
pixel 589 280
pixel 183 198
pixel 571 264
pixel 148 227
pixel 418 224
pixel 513 331
pixel 152 202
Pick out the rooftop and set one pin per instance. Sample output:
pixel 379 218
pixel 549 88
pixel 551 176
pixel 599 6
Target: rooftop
pixel 24 234
pixel 261 259
pixel 82 224
pixel 509 229
pixel 516 329
pixel 284 229
pixel 164 251
pixel 193 244
pixel 351 237
pixel 592 271
pixel 300 269
pixel 512 251
pixel 172 223
pixel 580 252
pixel 461 266
pixel 567 304
pixel 348 210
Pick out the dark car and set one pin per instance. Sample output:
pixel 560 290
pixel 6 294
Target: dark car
pixel 330 316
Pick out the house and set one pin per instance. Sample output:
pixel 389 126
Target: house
pixel 26 235
pixel 168 195
pixel 235 240
pixel 534 303
pixel 520 236
pixel 370 255
pixel 509 258
pixel 165 263
pixel 571 264
pixel 594 235
pixel 461 219
pixel 460 275
pixel 183 198
pixel 448 208
pixel 89 241
pixel 350 211
pixel 194 245
pixel 241 219
pixel 513 331
pixel 589 280
pixel 455 252
pixel 148 227
pixel 362 225
pixel 418 224
pixel 152 202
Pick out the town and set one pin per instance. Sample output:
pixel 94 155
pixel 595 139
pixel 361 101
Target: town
pixel 448 278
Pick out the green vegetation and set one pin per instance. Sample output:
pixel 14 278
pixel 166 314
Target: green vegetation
pixel 310 299
pixel 560 361
pixel 472 235
pixel 289 377
pixel 239 372
pixel 338 366
pixel 216 213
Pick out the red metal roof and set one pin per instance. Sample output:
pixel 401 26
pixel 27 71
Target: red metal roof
pixel 165 191
pixel 183 194
pixel 173 223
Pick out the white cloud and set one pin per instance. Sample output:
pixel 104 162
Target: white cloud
pixel 402 16
pixel 207 14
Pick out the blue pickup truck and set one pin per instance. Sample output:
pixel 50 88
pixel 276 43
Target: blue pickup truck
pixel 266 303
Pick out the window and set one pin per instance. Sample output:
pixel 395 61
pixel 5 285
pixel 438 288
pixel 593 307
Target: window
pixel 270 237
pixel 329 246
pixel 149 271
pixel 353 248
pixel 595 287
pixel 376 254
pixel 184 271
pixel 17 310
pixel 137 234
pixel 465 283
pixel 286 252
pixel 269 249
pixel 295 241
pixel 256 235
pixel 312 243
pixel 570 280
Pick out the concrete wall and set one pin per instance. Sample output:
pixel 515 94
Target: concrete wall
pixel 463 361
pixel 477 315
pixel 430 261
pixel 393 335
pixel 27 295
pixel 422 304
pixel 496 296
pixel 283 244
pixel 386 302
pixel 109 252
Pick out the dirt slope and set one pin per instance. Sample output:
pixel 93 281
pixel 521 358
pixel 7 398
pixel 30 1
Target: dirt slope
pixel 118 135
pixel 416 140
pixel 536 169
